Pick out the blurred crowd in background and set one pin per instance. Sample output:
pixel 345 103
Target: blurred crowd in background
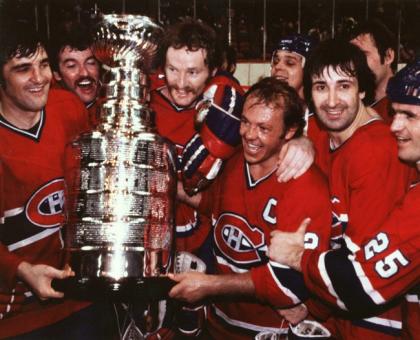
pixel 251 27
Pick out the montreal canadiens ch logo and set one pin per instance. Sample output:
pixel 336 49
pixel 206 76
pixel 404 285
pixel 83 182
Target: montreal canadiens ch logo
pixel 45 207
pixel 237 239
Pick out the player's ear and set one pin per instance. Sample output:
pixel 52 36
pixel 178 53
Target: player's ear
pixel 57 76
pixel 290 133
pixel 389 56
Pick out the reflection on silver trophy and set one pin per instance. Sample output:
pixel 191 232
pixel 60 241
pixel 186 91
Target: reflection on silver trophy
pixel 120 176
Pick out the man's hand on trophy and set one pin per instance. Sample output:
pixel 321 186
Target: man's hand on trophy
pixel 39 277
pixel 287 248
pixel 182 196
pixel 295 314
pixel 191 287
pixel 296 156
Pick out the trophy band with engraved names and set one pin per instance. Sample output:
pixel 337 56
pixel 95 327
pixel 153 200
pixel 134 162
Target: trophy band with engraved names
pixel 121 176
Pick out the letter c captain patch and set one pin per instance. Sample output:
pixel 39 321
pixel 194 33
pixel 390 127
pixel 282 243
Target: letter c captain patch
pixel 45 207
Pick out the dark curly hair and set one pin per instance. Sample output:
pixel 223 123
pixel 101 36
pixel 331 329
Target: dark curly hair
pixel 342 56
pixel 76 36
pixel 274 92
pixel 193 35
pixel 382 37
pixel 17 39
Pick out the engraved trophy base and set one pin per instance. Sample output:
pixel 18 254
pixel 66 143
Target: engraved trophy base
pixel 116 276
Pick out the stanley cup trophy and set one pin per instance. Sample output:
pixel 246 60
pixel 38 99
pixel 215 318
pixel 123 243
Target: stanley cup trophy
pixel 121 177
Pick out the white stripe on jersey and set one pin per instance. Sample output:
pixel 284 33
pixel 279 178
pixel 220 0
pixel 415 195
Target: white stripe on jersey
pixel 284 289
pixel 412 298
pixel 353 247
pixel 327 281
pixel 32 239
pixel 223 262
pixel 194 157
pixel 187 227
pixel 13 212
pixel 366 284
pixel 384 322
pixel 246 325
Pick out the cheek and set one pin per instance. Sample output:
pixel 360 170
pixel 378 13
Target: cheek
pixel 170 79
pixel 241 130
pixel 48 74
pixel 68 76
pixel 199 84
pixel 317 99
pixel 93 71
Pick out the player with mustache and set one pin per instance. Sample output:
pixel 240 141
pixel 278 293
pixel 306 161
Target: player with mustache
pixel 75 68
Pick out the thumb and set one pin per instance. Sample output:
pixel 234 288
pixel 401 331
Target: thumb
pixel 57 274
pixel 174 277
pixel 303 225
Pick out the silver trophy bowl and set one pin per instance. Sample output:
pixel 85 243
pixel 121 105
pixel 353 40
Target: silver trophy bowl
pixel 121 176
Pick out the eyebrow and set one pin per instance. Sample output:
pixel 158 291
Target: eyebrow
pixel 287 55
pixel 19 66
pixel 28 64
pixel 340 81
pixel 68 60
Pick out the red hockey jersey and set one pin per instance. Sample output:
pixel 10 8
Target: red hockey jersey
pixel 177 125
pixel 33 195
pixel 319 135
pixel 383 107
pixel 385 265
pixel 366 182
pixel 245 211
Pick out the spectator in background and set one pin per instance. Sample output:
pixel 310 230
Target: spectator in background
pixel 380 47
pixel 228 62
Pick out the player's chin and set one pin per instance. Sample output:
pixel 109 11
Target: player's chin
pixel 184 101
pixel 252 158
pixel 37 104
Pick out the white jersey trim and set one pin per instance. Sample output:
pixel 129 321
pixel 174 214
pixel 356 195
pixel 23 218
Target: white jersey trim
pixel 235 269
pixel 385 322
pixel 412 298
pixel 13 212
pixel 187 227
pixel 284 289
pixel 24 132
pixel 246 325
pixel 361 275
pixel 253 183
pixel 32 239
pixel 327 281
pixel 366 284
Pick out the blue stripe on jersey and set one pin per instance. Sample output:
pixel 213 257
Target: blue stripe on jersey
pixel 225 127
pixel 194 160
pixel 346 282
pixel 190 148
pixel 292 280
pixel 17 228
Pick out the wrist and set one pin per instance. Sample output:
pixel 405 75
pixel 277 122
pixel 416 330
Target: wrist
pixel 23 269
pixel 297 264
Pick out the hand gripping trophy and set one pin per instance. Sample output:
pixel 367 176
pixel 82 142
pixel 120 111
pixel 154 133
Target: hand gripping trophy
pixel 121 176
